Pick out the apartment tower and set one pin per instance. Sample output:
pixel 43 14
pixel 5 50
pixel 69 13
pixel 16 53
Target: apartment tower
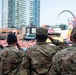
pixel 18 13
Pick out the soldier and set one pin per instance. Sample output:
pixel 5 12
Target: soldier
pixel 40 55
pixel 10 57
pixel 64 62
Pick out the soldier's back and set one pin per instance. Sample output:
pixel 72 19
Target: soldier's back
pixel 10 59
pixel 41 58
pixel 64 62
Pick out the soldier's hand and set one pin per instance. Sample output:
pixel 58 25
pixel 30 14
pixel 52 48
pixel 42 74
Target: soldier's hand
pixel 18 45
pixel 1 47
pixel 50 37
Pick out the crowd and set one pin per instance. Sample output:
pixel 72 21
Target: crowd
pixel 40 58
pixel 23 43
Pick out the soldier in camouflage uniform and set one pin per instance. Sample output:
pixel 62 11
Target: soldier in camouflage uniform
pixel 10 57
pixel 40 55
pixel 64 62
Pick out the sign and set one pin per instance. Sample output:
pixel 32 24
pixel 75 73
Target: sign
pixel 33 30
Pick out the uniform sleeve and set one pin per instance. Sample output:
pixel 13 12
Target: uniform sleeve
pixel 62 45
pixel 55 69
pixel 2 61
pixel 24 64
pixel 57 42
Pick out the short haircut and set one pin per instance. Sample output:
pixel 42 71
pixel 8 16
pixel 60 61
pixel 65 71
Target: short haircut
pixel 11 39
pixel 41 37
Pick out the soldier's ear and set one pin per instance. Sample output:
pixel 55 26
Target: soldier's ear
pixel 36 37
pixel 71 38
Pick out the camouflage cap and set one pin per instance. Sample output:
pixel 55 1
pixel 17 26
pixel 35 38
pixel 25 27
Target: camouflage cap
pixel 73 31
pixel 41 31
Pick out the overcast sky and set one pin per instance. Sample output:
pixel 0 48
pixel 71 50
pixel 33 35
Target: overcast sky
pixel 50 9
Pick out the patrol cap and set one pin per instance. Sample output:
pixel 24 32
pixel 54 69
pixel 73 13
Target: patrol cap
pixel 41 31
pixel 73 32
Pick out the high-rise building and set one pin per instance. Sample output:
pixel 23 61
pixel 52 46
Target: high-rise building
pixel 8 14
pixel 20 16
pixel 17 13
pixel 33 12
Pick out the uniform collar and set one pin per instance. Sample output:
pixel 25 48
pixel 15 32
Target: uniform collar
pixel 38 43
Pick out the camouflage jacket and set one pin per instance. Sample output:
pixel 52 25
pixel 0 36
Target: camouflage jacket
pixel 64 62
pixel 10 61
pixel 40 58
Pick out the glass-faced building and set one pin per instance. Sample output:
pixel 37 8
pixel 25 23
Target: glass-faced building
pixel 17 13
pixel 20 16
pixel 33 12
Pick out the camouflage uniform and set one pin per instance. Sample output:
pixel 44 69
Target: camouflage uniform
pixel 10 60
pixel 24 64
pixel 40 56
pixel 64 62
